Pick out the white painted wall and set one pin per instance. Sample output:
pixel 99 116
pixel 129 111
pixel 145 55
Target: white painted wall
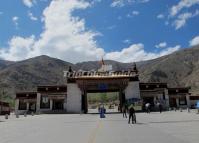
pixel 166 98
pixel 132 90
pixel 51 104
pixel 73 98
pixel 16 106
pixel 188 101
pixel 38 102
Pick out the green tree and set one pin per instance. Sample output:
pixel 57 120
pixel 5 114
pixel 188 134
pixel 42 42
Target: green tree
pixel 4 96
pixel 103 97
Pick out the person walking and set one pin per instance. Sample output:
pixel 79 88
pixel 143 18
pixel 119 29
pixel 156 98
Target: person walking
pixel 147 106
pixel 132 116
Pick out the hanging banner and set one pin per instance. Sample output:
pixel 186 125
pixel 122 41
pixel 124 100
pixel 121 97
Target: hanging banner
pixel 45 99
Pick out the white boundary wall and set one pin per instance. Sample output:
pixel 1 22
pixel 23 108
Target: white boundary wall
pixel 73 98
pixel 132 90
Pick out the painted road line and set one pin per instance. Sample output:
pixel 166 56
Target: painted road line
pixel 93 135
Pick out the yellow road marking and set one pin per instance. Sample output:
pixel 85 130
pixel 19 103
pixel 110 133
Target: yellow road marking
pixel 93 135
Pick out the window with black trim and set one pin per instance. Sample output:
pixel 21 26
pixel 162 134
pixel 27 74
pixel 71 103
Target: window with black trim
pixel 22 105
pixel 182 100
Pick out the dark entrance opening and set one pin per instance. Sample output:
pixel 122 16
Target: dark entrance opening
pixel 148 100
pixel 32 107
pixel 102 86
pixel 58 104
pixel 109 100
pixel 172 102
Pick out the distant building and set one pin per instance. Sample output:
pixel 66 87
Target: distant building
pixel 169 97
pixel 72 97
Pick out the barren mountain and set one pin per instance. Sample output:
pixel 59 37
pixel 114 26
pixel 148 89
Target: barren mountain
pixel 177 69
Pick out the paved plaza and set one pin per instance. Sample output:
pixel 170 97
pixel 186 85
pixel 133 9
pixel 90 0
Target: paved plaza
pixel 168 127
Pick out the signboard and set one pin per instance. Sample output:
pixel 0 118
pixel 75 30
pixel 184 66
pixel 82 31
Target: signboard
pixel 102 86
pixel 197 105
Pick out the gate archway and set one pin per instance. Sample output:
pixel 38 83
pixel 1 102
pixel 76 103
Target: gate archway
pixel 91 85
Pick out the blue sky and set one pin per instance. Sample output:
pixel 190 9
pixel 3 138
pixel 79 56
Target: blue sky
pixel 75 31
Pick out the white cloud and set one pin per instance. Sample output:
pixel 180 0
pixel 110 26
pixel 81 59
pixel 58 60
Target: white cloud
pixel 122 3
pixel 182 19
pixel 66 37
pixel 15 21
pixel 181 12
pixel 19 48
pixel 117 3
pixel 127 41
pixel 160 16
pixel 136 52
pixel 132 14
pixel 161 45
pixel 32 17
pixel 63 37
pixel 29 3
pixel 95 1
pixel 194 41
pixel 175 9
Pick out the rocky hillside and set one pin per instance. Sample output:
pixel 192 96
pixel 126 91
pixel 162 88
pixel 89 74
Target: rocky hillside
pixel 178 69
pixel 27 74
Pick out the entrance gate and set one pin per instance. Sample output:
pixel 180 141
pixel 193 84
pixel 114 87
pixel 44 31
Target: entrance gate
pixel 101 85
pixel 126 83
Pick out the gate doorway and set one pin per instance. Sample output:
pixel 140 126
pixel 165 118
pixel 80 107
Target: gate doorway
pixel 109 100
pixel 148 100
pixel 32 107
pixel 118 96
pixel 172 102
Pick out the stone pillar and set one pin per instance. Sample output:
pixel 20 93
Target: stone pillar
pixel 166 98
pixel 74 98
pixel 27 106
pixel 16 106
pixel 38 102
pixel 133 90
pixel 51 104
pixel 177 102
pixel 188 101
pixel 65 103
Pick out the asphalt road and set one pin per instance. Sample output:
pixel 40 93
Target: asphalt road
pixel 168 127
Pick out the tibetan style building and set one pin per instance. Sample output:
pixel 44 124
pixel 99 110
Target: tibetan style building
pixel 72 97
